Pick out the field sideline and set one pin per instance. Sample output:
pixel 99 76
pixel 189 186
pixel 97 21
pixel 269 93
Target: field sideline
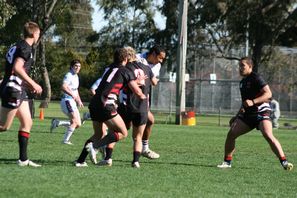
pixel 186 168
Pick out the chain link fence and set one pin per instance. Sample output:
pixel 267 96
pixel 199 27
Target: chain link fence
pixel 206 96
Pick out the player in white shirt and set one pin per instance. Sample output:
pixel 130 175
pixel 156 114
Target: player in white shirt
pixel 70 102
pixel 153 59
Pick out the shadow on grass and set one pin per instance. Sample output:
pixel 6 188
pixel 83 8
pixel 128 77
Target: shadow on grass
pixel 123 163
pixel 42 162
pixel 168 163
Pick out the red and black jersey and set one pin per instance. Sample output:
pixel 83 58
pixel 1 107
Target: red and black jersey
pixel 250 88
pixel 21 50
pixel 135 104
pixel 113 80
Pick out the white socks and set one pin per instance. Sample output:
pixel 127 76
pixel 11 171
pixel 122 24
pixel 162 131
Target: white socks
pixel 145 145
pixel 68 134
pixel 64 123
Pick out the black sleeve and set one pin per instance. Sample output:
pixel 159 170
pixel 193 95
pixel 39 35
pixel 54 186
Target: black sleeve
pixel 23 52
pixel 129 74
pixel 151 74
pixel 260 81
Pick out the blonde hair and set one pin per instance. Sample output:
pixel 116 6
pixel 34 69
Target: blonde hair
pixel 29 29
pixel 131 53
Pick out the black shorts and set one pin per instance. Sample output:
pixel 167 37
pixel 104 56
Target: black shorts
pixel 139 119
pixel 253 119
pixel 123 111
pixel 12 98
pixel 103 114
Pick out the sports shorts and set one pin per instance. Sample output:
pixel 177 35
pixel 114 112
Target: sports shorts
pixel 12 98
pixel 123 111
pixel 253 119
pixel 102 114
pixel 68 106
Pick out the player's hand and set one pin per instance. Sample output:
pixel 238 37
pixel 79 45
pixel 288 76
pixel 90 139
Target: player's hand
pixel 36 88
pixel 81 105
pixel 141 79
pixel 78 102
pixel 142 97
pixel 248 103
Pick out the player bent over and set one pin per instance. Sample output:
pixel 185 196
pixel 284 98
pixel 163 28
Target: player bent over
pixel 255 113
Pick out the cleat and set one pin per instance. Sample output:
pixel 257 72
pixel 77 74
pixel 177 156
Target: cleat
pixel 150 154
pixel 67 142
pixel 92 152
pixel 83 164
pixel 27 163
pixel 224 165
pixel 105 162
pixel 287 166
pixel 86 116
pixel 55 124
pixel 135 165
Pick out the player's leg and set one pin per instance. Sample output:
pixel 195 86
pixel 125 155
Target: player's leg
pixel 237 129
pixel 146 151
pixel 24 116
pixel 6 118
pixel 117 131
pixel 266 128
pixel 88 146
pixel 73 114
pixel 137 144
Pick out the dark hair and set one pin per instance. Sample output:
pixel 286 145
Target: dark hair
pixel 73 62
pixel 156 49
pixel 120 55
pixel 248 60
pixel 29 29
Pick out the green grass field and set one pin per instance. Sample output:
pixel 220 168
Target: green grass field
pixel 186 168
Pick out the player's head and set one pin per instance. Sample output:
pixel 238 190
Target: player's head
pixel 75 66
pixel 31 30
pixel 131 53
pixel 156 55
pixel 246 65
pixel 120 56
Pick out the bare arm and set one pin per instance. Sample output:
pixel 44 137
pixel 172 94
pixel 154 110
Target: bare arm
pixel 93 92
pixel 65 88
pixel 264 97
pixel 19 70
pixel 135 89
pixel 154 81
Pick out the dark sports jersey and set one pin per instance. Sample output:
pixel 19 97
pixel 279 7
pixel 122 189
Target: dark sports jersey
pixel 135 104
pixel 23 50
pixel 113 80
pixel 250 88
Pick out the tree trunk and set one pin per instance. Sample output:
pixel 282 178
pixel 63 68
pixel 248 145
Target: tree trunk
pixel 257 53
pixel 46 81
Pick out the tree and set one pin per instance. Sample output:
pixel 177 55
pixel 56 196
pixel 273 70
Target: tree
pixel 74 26
pixel 262 23
pixel 6 11
pixel 130 22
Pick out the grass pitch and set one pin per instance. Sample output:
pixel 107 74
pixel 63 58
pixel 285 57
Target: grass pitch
pixel 186 168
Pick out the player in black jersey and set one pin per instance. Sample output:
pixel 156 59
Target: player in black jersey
pixel 137 110
pixel 103 107
pixel 133 110
pixel 15 88
pixel 254 113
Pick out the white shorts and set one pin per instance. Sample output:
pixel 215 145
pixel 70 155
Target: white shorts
pixel 68 106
